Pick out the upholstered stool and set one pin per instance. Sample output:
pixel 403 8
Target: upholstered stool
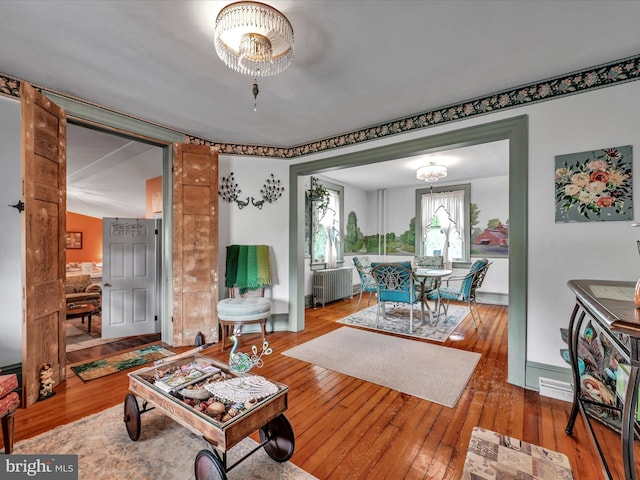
pixel 234 312
pixel 9 401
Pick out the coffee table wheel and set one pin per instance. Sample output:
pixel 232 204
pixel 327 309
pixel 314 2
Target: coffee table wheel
pixel 278 434
pixel 132 416
pixel 208 467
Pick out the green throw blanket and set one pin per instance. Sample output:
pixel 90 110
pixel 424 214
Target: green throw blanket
pixel 247 267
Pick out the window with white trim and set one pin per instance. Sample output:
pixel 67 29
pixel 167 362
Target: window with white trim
pixel 442 222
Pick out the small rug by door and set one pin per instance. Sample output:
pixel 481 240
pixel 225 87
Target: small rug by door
pixel 397 321
pixel 432 372
pixel 494 456
pixel 121 361
pixel 165 451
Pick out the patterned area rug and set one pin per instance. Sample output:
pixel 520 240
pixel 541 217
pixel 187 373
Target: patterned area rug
pixel 165 450
pixel 121 361
pixel 493 456
pixel 397 321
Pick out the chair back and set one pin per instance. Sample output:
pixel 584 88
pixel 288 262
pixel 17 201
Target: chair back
pixel 396 282
pixel 470 283
pixel 435 262
pixel 363 267
pixel 478 278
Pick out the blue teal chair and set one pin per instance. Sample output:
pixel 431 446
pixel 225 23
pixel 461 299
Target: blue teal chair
pixel 465 291
pixel 396 283
pixel 367 282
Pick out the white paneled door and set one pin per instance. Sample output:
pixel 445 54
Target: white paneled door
pixel 129 277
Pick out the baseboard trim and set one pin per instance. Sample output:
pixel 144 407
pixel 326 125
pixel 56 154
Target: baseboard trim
pixel 534 370
pixel 490 298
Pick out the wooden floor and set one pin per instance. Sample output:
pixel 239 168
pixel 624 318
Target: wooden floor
pixel 350 429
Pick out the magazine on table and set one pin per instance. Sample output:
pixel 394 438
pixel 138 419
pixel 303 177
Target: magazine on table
pixel 183 375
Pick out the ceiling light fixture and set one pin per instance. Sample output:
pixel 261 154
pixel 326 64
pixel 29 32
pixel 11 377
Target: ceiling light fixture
pixel 254 39
pixel 431 172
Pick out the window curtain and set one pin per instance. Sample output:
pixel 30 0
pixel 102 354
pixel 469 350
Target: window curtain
pixel 453 204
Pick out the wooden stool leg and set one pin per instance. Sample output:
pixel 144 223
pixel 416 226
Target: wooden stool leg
pixel 224 335
pixel 7 431
pixel 263 325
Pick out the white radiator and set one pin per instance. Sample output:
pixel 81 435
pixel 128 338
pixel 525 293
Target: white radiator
pixel 332 284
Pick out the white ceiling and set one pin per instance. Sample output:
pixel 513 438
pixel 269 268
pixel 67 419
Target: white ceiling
pixel 358 62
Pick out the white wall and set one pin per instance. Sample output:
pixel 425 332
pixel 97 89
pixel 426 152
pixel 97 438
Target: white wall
pixel 253 226
pixel 491 194
pixel 559 252
pixel 556 253
pixel 10 250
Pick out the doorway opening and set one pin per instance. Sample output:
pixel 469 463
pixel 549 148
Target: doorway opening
pixel 113 182
pixel 515 130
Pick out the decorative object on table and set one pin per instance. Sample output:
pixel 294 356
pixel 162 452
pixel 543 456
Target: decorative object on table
pixel 594 185
pixel 599 365
pixel 254 39
pixel 243 362
pixel 494 456
pixel 247 390
pixel 46 382
pixel 271 191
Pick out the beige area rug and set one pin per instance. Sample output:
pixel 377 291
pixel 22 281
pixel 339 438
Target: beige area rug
pixel 397 321
pixel 494 456
pixel 165 450
pixel 431 372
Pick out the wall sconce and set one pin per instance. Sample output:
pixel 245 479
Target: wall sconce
pixel 270 192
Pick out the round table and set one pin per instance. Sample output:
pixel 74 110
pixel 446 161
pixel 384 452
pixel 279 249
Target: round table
pixel 422 275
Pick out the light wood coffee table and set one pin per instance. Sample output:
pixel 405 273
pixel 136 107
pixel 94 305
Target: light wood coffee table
pixel 82 311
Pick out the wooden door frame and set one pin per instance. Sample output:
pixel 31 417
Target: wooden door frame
pixel 91 116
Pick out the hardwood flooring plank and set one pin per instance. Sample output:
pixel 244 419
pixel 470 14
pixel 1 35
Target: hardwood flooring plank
pixel 347 428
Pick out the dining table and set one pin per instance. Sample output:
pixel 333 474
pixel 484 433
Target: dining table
pixel 424 274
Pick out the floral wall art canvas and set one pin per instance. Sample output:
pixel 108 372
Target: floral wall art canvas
pixel 594 186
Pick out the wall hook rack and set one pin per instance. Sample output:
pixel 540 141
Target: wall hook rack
pixel 18 206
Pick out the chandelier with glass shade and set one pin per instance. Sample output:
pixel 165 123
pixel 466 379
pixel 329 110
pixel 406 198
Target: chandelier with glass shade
pixel 431 172
pixel 254 39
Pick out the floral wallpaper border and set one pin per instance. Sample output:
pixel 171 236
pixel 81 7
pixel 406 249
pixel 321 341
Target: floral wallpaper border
pixel 609 74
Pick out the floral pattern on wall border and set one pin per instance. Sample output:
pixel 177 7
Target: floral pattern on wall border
pixel 613 73
pixel 594 185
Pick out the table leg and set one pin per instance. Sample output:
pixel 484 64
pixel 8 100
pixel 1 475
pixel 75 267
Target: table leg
pixel 88 323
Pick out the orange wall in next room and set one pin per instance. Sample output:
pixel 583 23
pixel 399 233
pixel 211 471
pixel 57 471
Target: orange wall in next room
pixel 91 229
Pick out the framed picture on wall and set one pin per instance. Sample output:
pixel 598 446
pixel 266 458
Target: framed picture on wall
pixel 594 186
pixel 74 240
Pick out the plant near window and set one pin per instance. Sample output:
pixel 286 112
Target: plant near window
pixel 602 181
pixel 319 194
